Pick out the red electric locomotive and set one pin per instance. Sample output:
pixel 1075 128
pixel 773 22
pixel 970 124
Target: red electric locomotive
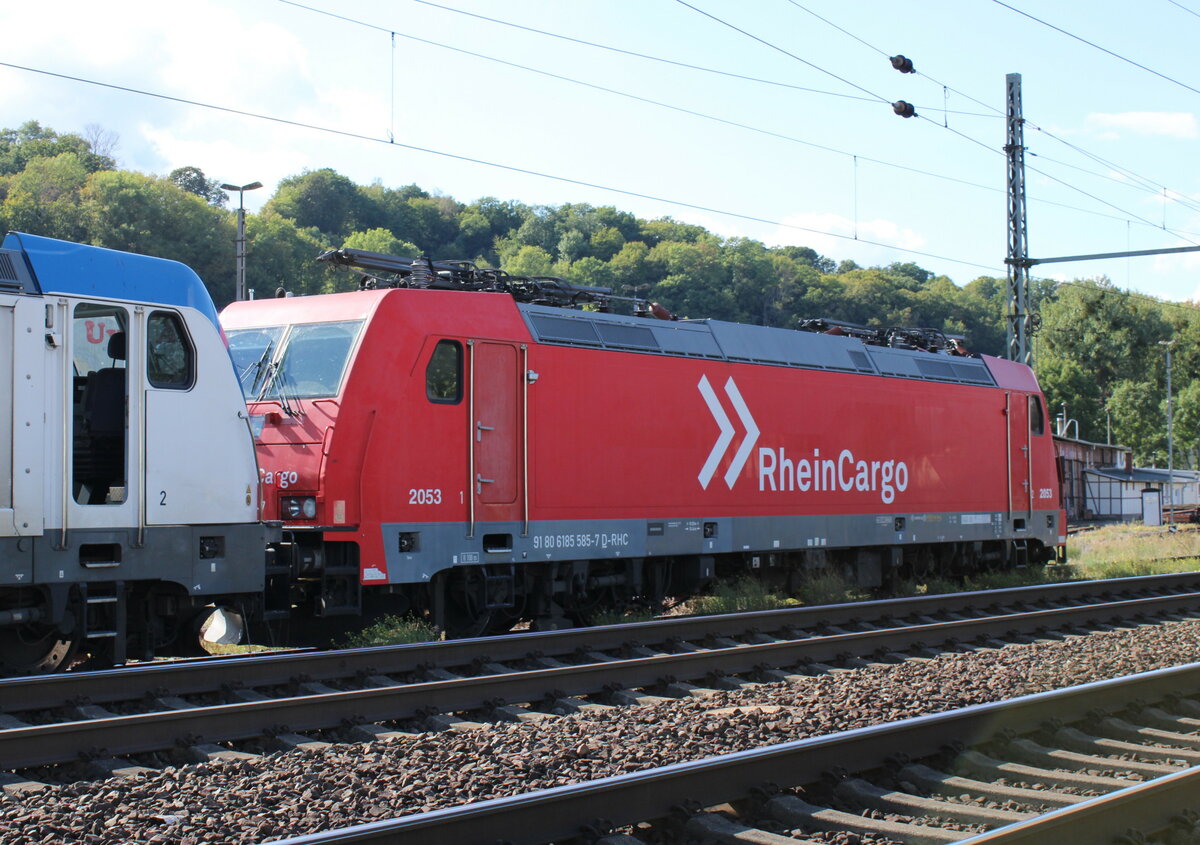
pixel 455 440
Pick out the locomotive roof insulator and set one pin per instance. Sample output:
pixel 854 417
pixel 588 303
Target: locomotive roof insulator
pixel 926 339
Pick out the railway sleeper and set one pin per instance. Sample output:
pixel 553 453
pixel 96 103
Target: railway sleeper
pixel 296 742
pixel 1028 750
pixel 941 783
pixel 1169 721
pixel 106 767
pixel 1121 729
pixel 370 732
pixel 209 752
pixel 861 793
pixel 17 786
pixel 794 812
pixel 977 763
pixel 1172 758
pixel 714 827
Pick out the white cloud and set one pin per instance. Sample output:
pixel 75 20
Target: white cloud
pixel 1168 124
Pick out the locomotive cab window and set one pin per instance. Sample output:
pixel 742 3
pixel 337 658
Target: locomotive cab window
pixel 443 375
pixel 169 356
pixel 1037 420
pixel 99 411
pixel 304 361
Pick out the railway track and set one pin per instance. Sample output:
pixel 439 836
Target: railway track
pixel 195 711
pixel 1107 762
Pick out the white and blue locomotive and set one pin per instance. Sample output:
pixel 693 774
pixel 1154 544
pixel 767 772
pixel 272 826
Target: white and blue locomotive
pixel 129 489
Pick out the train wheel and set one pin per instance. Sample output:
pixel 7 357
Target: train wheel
pixel 36 648
pixel 466 613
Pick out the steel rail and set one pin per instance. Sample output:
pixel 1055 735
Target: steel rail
pixel 1147 807
pixel 120 735
pixel 560 813
pixel 41 692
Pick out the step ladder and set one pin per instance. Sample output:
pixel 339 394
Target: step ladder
pixel 104 620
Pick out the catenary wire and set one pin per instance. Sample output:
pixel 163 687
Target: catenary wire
pixel 561 77
pixel 884 53
pixel 1059 29
pixel 587 43
pixel 788 53
pixel 946 128
pixel 1133 175
pixel 1150 186
pixel 647 100
pixel 636 54
pixel 1185 8
pixel 345 133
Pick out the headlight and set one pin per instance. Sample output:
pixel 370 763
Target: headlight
pixel 298 507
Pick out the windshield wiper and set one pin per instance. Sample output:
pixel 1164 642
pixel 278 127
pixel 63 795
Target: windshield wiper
pixel 280 381
pixel 287 385
pixel 258 366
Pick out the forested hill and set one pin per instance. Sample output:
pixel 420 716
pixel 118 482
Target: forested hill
pixel 1097 351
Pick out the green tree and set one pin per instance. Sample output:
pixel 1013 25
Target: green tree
pixel 572 245
pixel 629 269
pixel 1139 419
pixel 607 242
pixel 193 180
pixel 31 140
pixel 591 272
pixel 531 261
pixel 136 213
pixel 43 199
pixel 381 240
pixel 280 255
pixel 323 199
pixel 1094 337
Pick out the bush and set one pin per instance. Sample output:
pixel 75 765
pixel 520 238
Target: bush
pixel 394 630
pixel 739 596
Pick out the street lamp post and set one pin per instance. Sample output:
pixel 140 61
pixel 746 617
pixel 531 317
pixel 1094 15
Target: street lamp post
pixel 241 235
pixel 1170 440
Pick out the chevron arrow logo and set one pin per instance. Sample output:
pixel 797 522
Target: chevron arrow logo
pixel 725 438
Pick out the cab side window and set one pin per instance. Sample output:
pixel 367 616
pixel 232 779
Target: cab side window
pixel 1037 420
pixel 169 354
pixel 443 374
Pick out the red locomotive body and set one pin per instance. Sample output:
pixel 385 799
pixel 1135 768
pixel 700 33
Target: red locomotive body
pixel 492 459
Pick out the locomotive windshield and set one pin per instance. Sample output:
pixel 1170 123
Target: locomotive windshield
pixel 304 361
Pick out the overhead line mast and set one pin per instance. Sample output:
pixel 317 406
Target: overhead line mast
pixel 1022 321
pixel 1020 314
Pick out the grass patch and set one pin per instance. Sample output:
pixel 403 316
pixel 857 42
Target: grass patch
pixel 393 630
pixel 1118 551
pixel 740 596
pixel 830 588
pixel 225 649
pixel 621 617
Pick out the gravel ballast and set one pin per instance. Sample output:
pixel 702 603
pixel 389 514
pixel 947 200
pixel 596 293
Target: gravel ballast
pixel 300 792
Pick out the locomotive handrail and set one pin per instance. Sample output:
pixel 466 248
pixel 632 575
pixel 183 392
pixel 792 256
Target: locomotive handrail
pixel 524 440
pixel 470 439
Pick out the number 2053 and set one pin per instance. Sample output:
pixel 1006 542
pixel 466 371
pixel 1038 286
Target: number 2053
pixel 425 496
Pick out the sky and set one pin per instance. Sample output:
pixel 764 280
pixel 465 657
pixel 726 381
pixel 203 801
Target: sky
pixel 413 91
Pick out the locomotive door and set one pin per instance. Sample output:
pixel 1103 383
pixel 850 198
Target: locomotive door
pixel 103 416
pixel 1020 457
pixel 495 420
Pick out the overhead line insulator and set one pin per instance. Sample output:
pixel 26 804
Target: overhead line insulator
pixel 903 64
pixel 904 109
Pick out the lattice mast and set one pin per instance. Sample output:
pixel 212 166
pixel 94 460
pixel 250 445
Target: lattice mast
pixel 1020 312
